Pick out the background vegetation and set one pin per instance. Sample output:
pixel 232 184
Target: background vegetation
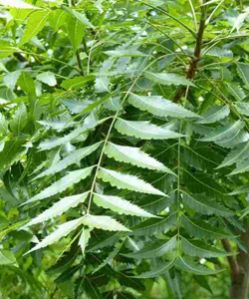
pixel 124 140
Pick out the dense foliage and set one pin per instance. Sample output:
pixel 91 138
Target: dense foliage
pixel 124 141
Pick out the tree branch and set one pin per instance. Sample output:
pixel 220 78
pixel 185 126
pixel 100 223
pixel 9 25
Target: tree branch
pixel 232 261
pixel 193 65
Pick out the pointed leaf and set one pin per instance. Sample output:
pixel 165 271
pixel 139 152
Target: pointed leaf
pixel 159 106
pixel 103 222
pixel 144 130
pixel 120 205
pixel 205 206
pixel 128 182
pixel 134 156
pixel 47 78
pixel 192 267
pixel 35 24
pixel 214 114
pixel 203 229
pixel 168 79
pixel 62 231
pixel 62 184
pixel 195 248
pixel 84 239
pixel 155 250
pixel 58 208
pixel 164 268
pixel 236 155
pixel 73 158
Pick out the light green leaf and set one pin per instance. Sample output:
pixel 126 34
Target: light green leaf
pixel 76 82
pixel 188 265
pixel 79 16
pixel 73 158
pixel 134 156
pixel 6 49
pixel 155 250
pixel 241 167
pixel 76 31
pixel 10 79
pixel 59 208
pixel 62 231
pixel 144 130
pixel 242 107
pixel 159 106
pixel 120 205
pixel 214 114
pixel 27 84
pixel 84 239
pixel 168 79
pixel 124 53
pixel 205 206
pixel 62 184
pixel 103 222
pixel 47 78
pixel 36 21
pixel 197 248
pixel 128 182
pixel 236 155
pixel 225 132
pixel 7 258
pixel 17 4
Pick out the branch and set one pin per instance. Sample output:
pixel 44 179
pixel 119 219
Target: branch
pixel 193 65
pixel 234 266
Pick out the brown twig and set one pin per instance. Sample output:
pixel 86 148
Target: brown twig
pixel 193 65
pixel 234 266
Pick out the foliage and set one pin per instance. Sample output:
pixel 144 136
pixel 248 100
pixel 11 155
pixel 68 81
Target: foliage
pixel 124 156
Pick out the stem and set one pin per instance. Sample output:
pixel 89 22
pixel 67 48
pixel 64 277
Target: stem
pixel 193 65
pixel 79 62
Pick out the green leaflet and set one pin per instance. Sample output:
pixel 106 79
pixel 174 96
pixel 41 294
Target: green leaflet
pixel 200 249
pixel 89 123
pixel 35 24
pixel 76 82
pixel 238 154
pixel 76 31
pixel 203 229
pixel 168 79
pixel 103 222
pixel 7 258
pixel 58 208
pixel 157 271
pixel 110 257
pixel 155 226
pixel 205 206
pixel 6 49
pixel 79 16
pixel 127 181
pixel 62 184
pixel 120 205
pixel 84 239
pixel 159 106
pixel 241 167
pixel 47 78
pixel 214 114
pixel 144 130
pixel 134 156
pixel 155 250
pixel 225 133
pixel 236 91
pixel 242 107
pixel 124 53
pixel 188 265
pixel 62 231
pixel 243 71
pixel 73 158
